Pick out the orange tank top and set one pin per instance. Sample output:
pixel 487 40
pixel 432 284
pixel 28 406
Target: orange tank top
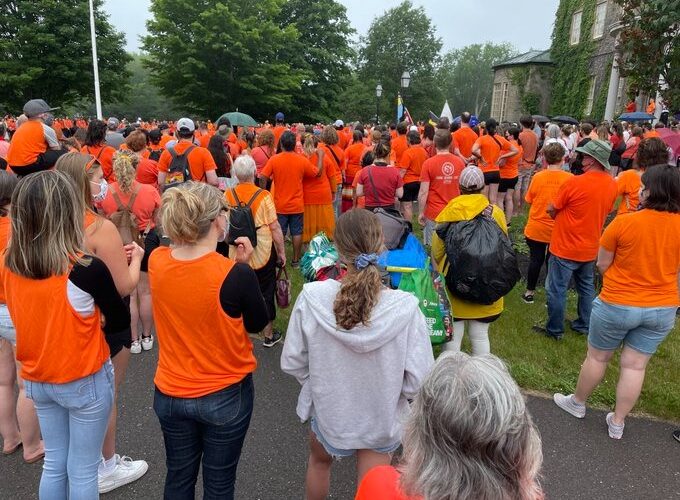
pixel 55 344
pixel 202 349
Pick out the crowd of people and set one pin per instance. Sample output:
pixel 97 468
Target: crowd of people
pixel 176 232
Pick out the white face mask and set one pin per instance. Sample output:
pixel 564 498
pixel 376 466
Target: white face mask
pixel 222 237
pixel 103 190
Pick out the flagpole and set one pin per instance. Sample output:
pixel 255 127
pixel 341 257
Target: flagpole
pixel 95 64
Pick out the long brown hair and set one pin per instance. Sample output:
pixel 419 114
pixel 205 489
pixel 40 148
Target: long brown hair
pixel 357 232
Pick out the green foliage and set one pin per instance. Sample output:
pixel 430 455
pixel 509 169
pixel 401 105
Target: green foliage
pixel 402 39
pixel 468 76
pixel 531 103
pixel 45 52
pixel 571 71
pixel 650 44
pixel 600 102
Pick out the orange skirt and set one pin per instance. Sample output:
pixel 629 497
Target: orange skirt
pixel 318 218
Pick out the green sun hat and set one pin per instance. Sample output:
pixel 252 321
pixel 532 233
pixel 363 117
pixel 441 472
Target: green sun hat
pixel 600 150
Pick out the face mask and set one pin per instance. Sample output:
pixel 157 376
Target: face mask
pixel 222 237
pixel 103 190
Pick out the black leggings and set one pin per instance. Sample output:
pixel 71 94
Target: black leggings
pixel 538 254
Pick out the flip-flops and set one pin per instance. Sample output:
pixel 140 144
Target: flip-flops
pixel 36 458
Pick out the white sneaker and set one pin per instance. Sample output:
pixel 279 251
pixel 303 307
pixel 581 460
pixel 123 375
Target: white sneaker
pixel 147 343
pixel 568 404
pixel 125 472
pixel 136 347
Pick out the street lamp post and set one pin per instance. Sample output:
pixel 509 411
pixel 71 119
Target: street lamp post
pixel 378 94
pixel 95 64
pixel 405 82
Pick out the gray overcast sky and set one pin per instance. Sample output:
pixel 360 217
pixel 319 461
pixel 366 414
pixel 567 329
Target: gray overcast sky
pixel 527 24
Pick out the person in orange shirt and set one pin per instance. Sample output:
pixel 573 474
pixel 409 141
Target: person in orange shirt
pixel 509 175
pixel 344 138
pixel 465 137
pixel 318 194
pixel 639 257
pixel 353 157
pixel 651 107
pixel 204 384
pixel 95 146
pixel 167 134
pixel 153 150
pixel 329 139
pixel 580 210
pixel 542 192
pixel 492 150
pixel 287 171
pixel 146 169
pixel 410 166
pixel 527 162
pixel 201 164
pixel 399 143
pixel 57 295
pixel 278 129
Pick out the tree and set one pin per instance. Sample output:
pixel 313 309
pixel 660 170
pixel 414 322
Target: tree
pixel 402 39
pixel 650 48
pixel 214 56
pixel 45 52
pixel 467 76
pixel 322 51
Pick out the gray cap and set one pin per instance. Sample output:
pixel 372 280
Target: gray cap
pixel 471 178
pixel 36 107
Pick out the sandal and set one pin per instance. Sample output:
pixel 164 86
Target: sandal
pixel 13 450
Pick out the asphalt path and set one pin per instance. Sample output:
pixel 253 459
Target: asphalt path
pixel 580 461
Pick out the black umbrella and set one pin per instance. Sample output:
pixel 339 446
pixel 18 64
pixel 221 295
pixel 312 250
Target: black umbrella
pixel 565 119
pixel 540 118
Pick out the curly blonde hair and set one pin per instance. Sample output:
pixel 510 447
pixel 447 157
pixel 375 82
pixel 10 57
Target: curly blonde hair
pixel 357 232
pixel 125 170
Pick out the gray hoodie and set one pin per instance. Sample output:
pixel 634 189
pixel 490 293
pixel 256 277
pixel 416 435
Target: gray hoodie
pixel 356 383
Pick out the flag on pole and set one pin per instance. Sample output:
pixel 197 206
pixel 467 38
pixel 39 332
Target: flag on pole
pixel 446 112
pixel 433 119
pixel 407 116
pixel 400 108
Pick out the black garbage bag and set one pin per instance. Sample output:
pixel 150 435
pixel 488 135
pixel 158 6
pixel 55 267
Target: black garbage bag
pixel 482 262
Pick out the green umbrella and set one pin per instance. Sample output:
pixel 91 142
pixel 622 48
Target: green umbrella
pixel 239 119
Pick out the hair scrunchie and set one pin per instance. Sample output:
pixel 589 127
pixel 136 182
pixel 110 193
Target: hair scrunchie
pixel 365 259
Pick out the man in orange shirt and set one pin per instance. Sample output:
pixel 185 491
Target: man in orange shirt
pixel 278 129
pixel 580 209
pixel 465 137
pixel 286 170
pixel 527 161
pixel 166 134
pixel 201 163
pixel 410 166
pixel 399 144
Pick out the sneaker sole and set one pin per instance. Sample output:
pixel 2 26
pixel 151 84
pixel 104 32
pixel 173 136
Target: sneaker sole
pixel 566 408
pixel 273 343
pixel 127 480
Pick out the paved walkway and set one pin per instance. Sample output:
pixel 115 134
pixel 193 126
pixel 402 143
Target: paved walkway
pixel 580 462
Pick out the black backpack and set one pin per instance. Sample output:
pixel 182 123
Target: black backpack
pixel 154 154
pixel 482 262
pixel 178 170
pixel 241 219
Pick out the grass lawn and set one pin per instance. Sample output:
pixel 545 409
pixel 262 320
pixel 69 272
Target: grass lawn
pixel 544 365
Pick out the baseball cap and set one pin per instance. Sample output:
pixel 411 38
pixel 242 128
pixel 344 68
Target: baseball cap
pixel 186 123
pixel 113 123
pixel 163 126
pixel 279 117
pixel 600 150
pixel 413 128
pixel 339 124
pixel 471 178
pixel 36 107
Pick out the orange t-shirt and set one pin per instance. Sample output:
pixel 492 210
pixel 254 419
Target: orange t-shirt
pixel 334 152
pixel 542 192
pixel 146 203
pixel 582 204
pixel 628 184
pixel 646 259
pixel 465 137
pixel 147 172
pixel 28 142
pixel 511 168
pixel 287 170
pixel 278 132
pixel 381 483
pixel 200 160
pixel 529 142
pixel 104 155
pixel 490 151
pixel 5 229
pixel 412 161
pixel 442 171
pixel 353 156
pixel 399 145
pixel 165 138
pixel 319 190
pixel 202 349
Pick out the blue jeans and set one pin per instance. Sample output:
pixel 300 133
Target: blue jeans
pixel 209 430
pixel 560 272
pixel 73 420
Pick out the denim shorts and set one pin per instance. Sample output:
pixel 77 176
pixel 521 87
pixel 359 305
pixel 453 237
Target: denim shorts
pixel 640 328
pixel 7 330
pixel 292 222
pixel 337 453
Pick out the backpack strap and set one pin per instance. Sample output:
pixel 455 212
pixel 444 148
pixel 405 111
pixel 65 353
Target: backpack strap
pixel 116 198
pixel 236 199
pixel 253 197
pixel 335 157
pixel 132 201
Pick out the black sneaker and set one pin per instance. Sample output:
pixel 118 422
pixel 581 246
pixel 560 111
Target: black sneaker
pixel 676 435
pixel 528 298
pixel 543 331
pixel 276 338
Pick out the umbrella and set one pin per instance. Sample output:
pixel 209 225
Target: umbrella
pixel 637 116
pixel 565 119
pixel 540 118
pixel 672 139
pixel 239 119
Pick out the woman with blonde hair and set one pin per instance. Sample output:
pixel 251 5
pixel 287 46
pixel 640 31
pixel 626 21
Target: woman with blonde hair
pixel 147 169
pixel 340 336
pixel 142 200
pixel 469 437
pixel 318 193
pixel 57 294
pixel 204 385
pixel 102 240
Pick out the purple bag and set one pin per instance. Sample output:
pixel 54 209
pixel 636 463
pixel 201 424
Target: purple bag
pixel 283 288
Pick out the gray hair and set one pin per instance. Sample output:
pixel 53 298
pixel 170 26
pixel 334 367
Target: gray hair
pixel 554 131
pixel 244 168
pixel 469 435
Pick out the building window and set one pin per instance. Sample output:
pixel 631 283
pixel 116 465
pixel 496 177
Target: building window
pixel 600 15
pixel 591 96
pixel 496 101
pixel 504 102
pixel 575 36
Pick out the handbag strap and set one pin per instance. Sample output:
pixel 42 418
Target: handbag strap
pixel 375 191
